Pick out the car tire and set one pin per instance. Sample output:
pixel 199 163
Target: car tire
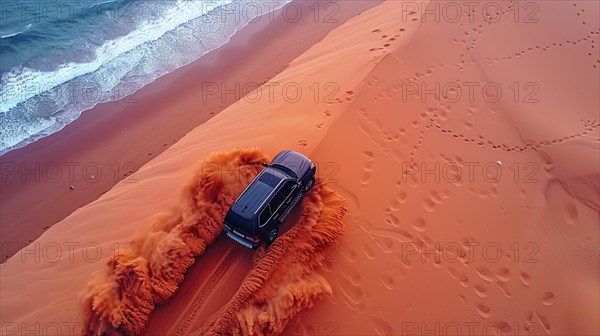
pixel 272 235
pixel 309 185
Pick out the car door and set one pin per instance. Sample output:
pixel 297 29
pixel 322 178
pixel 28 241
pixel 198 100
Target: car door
pixel 282 200
pixel 263 219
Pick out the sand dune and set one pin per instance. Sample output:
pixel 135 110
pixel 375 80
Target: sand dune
pixel 133 205
pixel 432 243
pixel 121 299
pixel 283 281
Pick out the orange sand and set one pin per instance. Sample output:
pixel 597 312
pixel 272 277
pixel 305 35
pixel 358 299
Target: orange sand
pixel 451 248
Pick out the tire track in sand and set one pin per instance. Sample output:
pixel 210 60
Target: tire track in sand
pixel 190 314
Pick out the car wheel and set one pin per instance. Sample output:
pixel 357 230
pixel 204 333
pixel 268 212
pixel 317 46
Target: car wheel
pixel 309 184
pixel 272 235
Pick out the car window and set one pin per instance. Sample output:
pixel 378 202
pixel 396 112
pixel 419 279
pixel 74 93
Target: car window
pixel 264 216
pixel 288 187
pixel 282 195
pixel 278 200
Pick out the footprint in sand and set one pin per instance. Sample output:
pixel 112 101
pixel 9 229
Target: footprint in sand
pixel 381 327
pixel 543 321
pixel 320 125
pixel 548 299
pixel 483 310
pixel 367 168
pixel 302 143
pixel 525 279
pixel 327 113
pixel 480 290
pixel 349 95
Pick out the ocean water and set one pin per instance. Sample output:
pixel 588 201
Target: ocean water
pixel 59 58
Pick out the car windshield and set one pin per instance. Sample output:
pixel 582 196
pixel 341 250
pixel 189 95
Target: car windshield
pixel 285 170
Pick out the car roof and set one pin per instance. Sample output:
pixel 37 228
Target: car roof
pixel 258 192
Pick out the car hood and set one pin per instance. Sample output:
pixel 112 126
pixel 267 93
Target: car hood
pixel 294 161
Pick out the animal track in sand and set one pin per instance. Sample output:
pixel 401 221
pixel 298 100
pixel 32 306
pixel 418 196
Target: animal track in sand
pixel 504 289
pixel 385 244
pixel 381 327
pixel 389 40
pixel 485 274
pixel 469 40
pixel 388 280
pixel 548 299
pixel 480 140
pixel 302 143
pixel 373 129
pixel 397 202
pixel 352 295
pixel 349 95
pixel 483 310
pixel 327 113
pixel 349 253
pixel 320 125
pixel 480 290
pixel 503 326
pixel 542 320
pixel 368 251
pixel 581 13
pixel 589 126
pixel 525 279
pixel 353 276
pixel 367 168
pixel 419 224
pixel 539 48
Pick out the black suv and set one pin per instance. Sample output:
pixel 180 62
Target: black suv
pixel 255 215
